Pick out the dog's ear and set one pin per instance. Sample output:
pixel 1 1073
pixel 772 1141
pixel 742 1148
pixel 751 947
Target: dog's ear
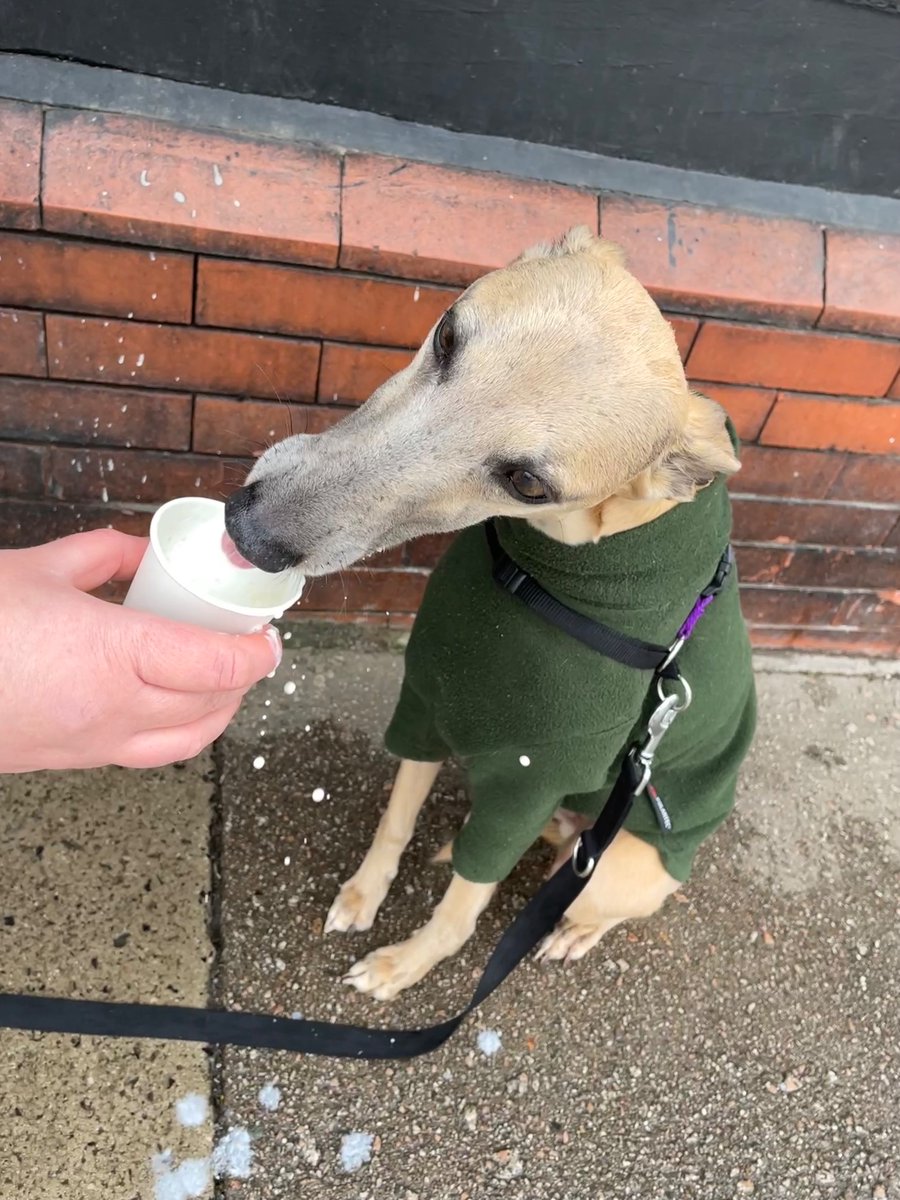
pixel 578 240
pixel 702 452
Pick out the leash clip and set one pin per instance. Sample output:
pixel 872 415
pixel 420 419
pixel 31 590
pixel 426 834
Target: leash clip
pixel 670 705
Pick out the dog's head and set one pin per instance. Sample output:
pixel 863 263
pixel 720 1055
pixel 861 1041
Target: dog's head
pixel 550 386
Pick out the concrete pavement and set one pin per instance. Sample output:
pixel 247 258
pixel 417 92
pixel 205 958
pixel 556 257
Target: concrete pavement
pixel 743 1042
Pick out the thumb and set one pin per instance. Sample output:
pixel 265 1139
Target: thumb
pixel 184 658
pixel 89 559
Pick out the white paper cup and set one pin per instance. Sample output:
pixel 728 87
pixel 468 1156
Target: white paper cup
pixel 185 574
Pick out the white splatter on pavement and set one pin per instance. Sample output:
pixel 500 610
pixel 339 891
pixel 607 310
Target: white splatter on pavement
pixel 270 1097
pixel 191 1110
pixel 489 1042
pixel 356 1150
pixel 232 1157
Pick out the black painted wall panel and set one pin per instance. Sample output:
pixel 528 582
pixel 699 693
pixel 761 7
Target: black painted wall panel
pixel 801 91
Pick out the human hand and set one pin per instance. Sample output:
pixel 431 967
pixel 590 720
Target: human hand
pixel 84 683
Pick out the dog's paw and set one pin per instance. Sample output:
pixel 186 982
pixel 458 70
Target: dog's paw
pixel 568 942
pixel 385 973
pixel 355 907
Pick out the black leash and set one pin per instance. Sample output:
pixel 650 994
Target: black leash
pixel 99 1018
pixel 50 1014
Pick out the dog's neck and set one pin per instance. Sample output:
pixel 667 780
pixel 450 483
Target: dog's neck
pixel 613 515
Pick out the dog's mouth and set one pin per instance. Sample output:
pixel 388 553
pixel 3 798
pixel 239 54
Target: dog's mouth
pixel 234 555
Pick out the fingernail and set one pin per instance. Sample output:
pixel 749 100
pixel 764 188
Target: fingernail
pixel 274 640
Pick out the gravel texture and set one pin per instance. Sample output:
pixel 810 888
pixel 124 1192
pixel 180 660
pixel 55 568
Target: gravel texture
pixel 744 1041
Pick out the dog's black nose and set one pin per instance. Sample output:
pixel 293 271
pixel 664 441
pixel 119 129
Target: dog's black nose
pixel 247 529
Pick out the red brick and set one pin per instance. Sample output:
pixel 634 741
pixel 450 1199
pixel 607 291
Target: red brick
pixel 248 427
pixel 800 474
pixel 350 374
pixel 33 522
pixel 137 180
pixel 878 611
pixel 789 606
pixel 815 524
pixel 43 411
pixel 181 357
pixel 365 591
pixel 685 332
pixel 867 479
pixel 817 423
pixel 140 476
pixel 747 407
pixel 713 261
pixel 42 272
pixel 426 551
pixel 861 275
pixel 394 556
pixel 22 349
pixel 445 224
pixel 324 304
pixel 300 617
pixel 824 641
pixel 20 164
pixel 794 566
pixel 893 538
pixel 797 360
pixel 894 389
pixel 21 470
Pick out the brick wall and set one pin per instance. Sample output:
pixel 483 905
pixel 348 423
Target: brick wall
pixel 173 300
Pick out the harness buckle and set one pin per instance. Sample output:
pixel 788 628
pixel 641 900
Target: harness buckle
pixel 509 575
pixel 717 582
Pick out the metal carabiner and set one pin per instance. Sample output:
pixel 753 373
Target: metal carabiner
pixel 670 705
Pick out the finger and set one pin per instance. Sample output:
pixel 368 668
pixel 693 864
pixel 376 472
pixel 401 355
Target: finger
pixel 159 747
pixel 89 559
pixel 171 710
pixel 184 658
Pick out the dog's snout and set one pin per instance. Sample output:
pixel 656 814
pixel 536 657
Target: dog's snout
pixel 247 528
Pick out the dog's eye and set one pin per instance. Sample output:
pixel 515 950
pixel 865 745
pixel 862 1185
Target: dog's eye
pixel 527 486
pixel 444 338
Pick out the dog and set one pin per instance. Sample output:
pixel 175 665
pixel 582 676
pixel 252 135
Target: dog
pixel 550 398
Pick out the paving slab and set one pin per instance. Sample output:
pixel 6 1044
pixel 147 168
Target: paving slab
pixel 742 1042
pixel 104 890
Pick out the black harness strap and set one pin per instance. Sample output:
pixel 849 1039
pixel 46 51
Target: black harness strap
pixel 631 652
pixel 50 1014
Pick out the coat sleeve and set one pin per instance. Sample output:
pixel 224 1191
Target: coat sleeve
pixel 412 732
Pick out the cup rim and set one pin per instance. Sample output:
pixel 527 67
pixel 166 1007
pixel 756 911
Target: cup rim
pixel 244 610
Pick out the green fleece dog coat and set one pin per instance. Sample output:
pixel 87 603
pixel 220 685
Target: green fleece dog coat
pixel 539 721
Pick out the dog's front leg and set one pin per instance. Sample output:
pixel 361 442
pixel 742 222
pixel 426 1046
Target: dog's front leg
pixel 359 900
pixel 387 972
